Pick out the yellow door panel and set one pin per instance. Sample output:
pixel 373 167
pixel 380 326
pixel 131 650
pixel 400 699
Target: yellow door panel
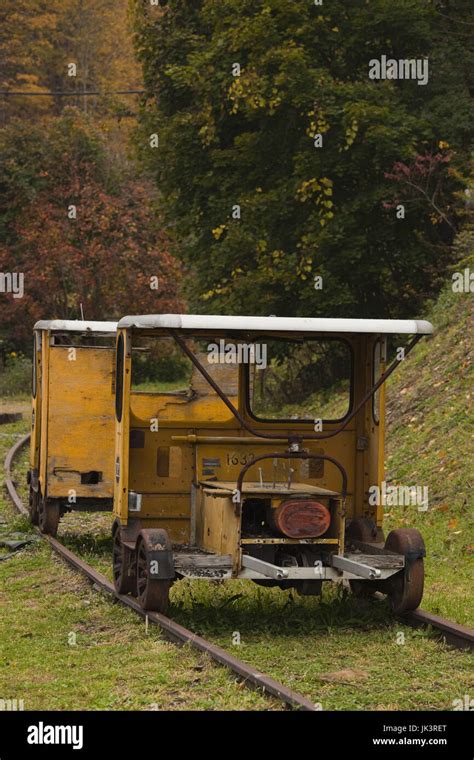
pixel 80 430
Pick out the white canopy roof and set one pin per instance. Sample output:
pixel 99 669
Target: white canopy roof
pixel 208 322
pixel 76 325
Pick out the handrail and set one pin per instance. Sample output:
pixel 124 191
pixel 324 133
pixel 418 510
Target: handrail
pixel 290 455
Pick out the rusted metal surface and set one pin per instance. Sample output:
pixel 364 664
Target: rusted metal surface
pixel 459 636
pixel 299 518
pixel 177 633
pixel 9 475
pixel 405 590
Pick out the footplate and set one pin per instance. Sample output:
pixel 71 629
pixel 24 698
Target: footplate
pixel 369 566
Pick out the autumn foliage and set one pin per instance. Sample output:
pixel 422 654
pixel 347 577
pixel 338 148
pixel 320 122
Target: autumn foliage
pixel 79 234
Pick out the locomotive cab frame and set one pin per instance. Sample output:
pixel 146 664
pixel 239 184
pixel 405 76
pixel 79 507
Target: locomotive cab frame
pixel 212 482
pixel 72 422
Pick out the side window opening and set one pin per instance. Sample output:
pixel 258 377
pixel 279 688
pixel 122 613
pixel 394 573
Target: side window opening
pixel 302 380
pixel 159 366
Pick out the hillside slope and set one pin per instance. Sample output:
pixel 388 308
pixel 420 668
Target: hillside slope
pixel 431 443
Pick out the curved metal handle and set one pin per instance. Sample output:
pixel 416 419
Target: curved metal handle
pixel 291 455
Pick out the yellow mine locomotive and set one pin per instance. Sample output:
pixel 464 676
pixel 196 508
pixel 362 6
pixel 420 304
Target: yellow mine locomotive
pixel 260 462
pixel 72 424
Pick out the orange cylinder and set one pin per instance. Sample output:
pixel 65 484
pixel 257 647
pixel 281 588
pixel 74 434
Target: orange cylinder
pixel 299 518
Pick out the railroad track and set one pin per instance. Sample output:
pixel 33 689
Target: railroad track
pixel 456 635
pixel 251 677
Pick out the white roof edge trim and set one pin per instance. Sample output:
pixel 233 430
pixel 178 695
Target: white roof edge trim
pixel 75 325
pixel 279 324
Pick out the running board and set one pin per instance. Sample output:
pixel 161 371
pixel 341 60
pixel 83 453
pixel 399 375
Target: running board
pixel 369 566
pixel 267 570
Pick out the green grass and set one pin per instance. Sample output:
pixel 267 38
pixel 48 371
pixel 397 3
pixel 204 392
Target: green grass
pixel 161 386
pixel 15 376
pixel 329 404
pixel 340 652
pixel 430 442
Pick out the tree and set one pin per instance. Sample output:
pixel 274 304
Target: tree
pixel 26 45
pixel 276 151
pixel 78 232
pixel 66 45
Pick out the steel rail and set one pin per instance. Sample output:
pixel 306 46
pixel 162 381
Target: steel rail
pixel 9 474
pixel 178 634
pixel 250 676
pixel 458 636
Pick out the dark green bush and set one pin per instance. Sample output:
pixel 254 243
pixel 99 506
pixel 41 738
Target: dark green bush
pixel 15 375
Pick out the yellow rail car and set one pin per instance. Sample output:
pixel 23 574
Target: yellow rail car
pixel 72 428
pixel 262 465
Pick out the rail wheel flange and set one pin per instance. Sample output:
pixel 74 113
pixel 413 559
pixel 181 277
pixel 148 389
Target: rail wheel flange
pixel 122 566
pixel 48 516
pixel 405 589
pixel 33 501
pixel 153 546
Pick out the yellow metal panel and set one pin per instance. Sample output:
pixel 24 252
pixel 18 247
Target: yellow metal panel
pixel 375 454
pixel 381 442
pixel 212 522
pixel 80 420
pixel 231 530
pixel 221 526
pixel 165 505
pixel 362 368
pixel 144 464
pixel 35 440
pixel 229 460
pixel 199 517
pixel 122 437
pixel 169 407
pixel 44 411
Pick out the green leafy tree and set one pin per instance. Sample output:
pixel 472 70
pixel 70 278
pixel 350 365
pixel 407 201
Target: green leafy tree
pixel 278 159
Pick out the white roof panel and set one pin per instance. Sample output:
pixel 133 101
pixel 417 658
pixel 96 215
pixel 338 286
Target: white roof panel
pixel 75 325
pixel 276 324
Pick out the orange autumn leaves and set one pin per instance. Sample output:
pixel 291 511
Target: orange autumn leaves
pixel 112 258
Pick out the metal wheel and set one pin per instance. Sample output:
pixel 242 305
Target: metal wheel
pixel 405 589
pixel 124 577
pixel 363 589
pixel 33 500
pixel 48 516
pixel 300 558
pixel 152 593
pixel 307 587
pixel 362 529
